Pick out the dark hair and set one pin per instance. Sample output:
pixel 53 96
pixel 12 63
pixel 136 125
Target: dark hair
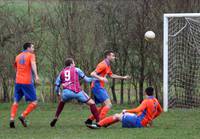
pixel 107 52
pixel 68 61
pixel 149 91
pixel 27 45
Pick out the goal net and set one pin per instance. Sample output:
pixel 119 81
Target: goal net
pixel 181 60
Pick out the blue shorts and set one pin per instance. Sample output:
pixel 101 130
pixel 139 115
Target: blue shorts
pixel 80 96
pixel 100 94
pixel 26 90
pixel 130 120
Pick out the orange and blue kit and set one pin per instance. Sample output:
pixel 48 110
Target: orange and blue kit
pixel 100 94
pixel 24 77
pixel 148 110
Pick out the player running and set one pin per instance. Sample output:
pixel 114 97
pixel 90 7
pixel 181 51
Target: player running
pixel 69 79
pixel 25 66
pixel 138 117
pixel 100 94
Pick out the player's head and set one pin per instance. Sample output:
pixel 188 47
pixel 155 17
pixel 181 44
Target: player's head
pixel 109 54
pixel 149 91
pixel 69 62
pixel 29 47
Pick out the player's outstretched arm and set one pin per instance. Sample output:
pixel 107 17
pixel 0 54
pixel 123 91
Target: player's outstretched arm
pixel 88 79
pixel 120 77
pixel 84 77
pixel 138 109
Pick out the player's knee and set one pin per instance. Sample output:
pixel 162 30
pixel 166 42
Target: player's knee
pixel 109 105
pixel 91 102
pixel 107 102
pixel 117 116
pixel 15 103
pixel 34 103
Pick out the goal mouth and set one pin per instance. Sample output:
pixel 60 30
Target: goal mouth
pixel 181 61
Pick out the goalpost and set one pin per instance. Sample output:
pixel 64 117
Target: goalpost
pixel 181 60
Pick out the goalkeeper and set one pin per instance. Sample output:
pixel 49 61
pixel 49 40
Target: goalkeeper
pixel 138 117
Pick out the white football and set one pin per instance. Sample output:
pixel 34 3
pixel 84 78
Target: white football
pixel 149 35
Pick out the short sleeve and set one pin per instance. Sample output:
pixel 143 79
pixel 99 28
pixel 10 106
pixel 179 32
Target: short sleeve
pixel 32 58
pixel 80 73
pixel 100 67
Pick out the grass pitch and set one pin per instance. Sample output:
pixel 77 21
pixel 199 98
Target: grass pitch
pixel 175 124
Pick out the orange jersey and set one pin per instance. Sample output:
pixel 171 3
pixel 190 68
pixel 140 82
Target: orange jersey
pixel 102 69
pixel 148 110
pixel 23 67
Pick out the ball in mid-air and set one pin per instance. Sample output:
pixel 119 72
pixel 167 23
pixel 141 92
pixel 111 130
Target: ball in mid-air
pixel 149 35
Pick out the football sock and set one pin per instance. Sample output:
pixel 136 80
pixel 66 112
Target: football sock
pixel 95 112
pixel 29 109
pixel 91 117
pixel 59 108
pixel 108 121
pixel 103 112
pixel 13 112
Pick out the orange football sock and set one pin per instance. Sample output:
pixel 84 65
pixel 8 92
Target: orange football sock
pixel 108 121
pixel 91 117
pixel 29 109
pixel 103 112
pixel 13 110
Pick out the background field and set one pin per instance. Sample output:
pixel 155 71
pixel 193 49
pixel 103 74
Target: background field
pixel 175 124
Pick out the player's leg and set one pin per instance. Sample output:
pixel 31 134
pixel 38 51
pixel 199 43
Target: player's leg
pixel 31 106
pixel 93 109
pixel 100 96
pixel 66 96
pixel 104 98
pixel 84 98
pixel 59 109
pixel 110 120
pixel 105 109
pixel 107 121
pixel 13 112
pixel 91 117
pixel 30 96
pixel 18 94
pixel 129 120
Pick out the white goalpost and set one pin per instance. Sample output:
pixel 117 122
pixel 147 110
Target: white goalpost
pixel 181 60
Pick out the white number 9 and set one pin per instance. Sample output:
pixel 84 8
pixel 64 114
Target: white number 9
pixel 67 75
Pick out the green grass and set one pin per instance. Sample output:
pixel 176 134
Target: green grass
pixel 175 124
